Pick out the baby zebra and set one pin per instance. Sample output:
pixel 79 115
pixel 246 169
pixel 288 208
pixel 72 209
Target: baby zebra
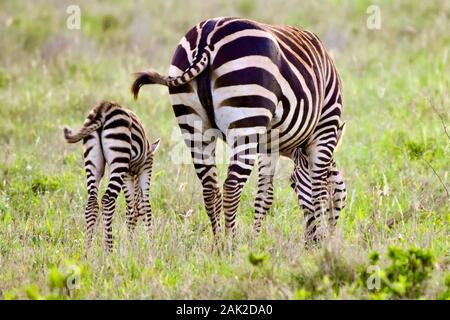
pixel 115 135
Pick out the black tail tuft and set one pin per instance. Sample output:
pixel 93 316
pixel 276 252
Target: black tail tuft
pixel 143 78
pixel 68 135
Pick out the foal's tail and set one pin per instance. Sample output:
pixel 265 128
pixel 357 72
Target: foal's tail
pixel 93 122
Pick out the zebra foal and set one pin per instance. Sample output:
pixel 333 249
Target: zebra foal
pixel 115 135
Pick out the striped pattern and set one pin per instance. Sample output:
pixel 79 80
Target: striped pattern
pixel 246 79
pixel 114 135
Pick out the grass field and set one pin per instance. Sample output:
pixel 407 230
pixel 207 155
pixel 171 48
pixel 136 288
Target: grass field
pixel 394 157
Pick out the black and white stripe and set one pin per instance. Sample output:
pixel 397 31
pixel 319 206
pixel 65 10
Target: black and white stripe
pixel 114 135
pixel 246 78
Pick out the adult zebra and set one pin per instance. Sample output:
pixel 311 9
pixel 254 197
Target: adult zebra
pixel 245 78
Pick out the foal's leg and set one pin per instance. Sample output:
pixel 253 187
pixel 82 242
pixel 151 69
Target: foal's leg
pixel 129 191
pixel 117 153
pixel 145 208
pixel 95 166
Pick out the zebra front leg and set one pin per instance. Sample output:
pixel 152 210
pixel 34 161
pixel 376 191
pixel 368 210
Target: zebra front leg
pixel 142 190
pixel 320 151
pixel 144 205
pixel 264 196
pixel 301 183
pixel 338 194
pixel 137 205
pixel 129 191
pixel 319 227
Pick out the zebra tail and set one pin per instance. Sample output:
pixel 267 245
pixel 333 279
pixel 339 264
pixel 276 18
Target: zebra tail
pixel 82 133
pixel 152 77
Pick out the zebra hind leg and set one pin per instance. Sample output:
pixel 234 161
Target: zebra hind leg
pixel 118 170
pixel 95 165
pixel 203 158
pixel 212 198
pixel 243 156
pixel 91 215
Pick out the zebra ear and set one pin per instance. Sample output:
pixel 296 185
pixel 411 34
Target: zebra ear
pixel 154 145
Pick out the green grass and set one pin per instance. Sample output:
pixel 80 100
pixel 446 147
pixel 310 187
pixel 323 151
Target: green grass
pixel 394 154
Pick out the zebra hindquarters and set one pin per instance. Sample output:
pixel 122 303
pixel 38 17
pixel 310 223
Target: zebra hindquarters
pixel 95 166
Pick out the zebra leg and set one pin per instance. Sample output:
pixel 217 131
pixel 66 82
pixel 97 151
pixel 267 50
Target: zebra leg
pixel 264 197
pixel 338 193
pixel 320 156
pixel 95 166
pixel 144 205
pixel 137 204
pixel 207 173
pixel 243 156
pixel 117 151
pixel 109 204
pixel 129 191
pixel 301 183
pixel 200 137
pixel 91 215
pixel 211 196
pixel 325 178
pixel 203 158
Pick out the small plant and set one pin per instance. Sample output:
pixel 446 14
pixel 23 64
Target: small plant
pixel 257 259
pixel 302 294
pixel 61 284
pixel 415 150
pixel 446 294
pixel 328 274
pixel 406 275
pixel 43 183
